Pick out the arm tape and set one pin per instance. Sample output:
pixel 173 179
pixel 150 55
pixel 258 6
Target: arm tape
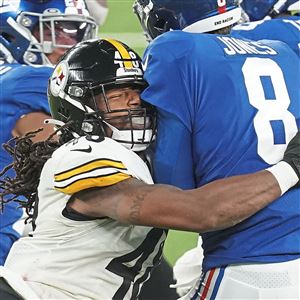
pixel 285 175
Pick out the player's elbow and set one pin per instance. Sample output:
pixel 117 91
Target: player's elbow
pixel 218 221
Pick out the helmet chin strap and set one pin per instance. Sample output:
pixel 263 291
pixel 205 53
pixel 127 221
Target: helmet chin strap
pixel 124 137
pixel 59 124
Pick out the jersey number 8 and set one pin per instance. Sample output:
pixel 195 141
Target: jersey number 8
pixel 269 109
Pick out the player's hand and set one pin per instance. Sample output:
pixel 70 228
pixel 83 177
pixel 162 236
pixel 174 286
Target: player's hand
pixel 292 154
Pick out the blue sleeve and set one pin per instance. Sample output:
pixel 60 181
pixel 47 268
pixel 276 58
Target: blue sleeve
pixel 286 30
pixel 172 159
pixel 168 75
pixel 25 92
pixel 8 235
pixel 168 92
pixel 30 89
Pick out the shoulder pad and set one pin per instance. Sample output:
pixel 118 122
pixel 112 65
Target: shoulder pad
pixel 82 164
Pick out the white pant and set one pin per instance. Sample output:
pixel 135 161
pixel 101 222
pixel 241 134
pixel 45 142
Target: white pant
pixel 250 281
pixel 187 270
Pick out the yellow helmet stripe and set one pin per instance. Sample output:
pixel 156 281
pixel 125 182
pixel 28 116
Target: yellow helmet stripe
pixel 90 166
pixel 86 183
pixel 123 52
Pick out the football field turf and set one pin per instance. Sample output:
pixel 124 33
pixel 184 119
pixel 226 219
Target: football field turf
pixel 123 25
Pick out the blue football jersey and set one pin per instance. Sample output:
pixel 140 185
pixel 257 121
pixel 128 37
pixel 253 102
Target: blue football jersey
pixel 23 90
pixel 226 107
pixel 286 30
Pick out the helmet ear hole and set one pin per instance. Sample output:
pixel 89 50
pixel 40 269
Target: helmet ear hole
pixel 161 21
pixel 160 24
pixel 8 37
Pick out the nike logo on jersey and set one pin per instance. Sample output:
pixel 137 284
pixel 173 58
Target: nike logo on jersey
pixel 88 150
pixel 4 70
pixel 145 63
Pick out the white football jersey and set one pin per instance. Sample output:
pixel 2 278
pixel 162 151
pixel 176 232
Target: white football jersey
pixel 87 259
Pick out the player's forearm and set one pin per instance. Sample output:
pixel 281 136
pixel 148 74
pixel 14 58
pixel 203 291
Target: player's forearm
pixel 217 205
pixel 234 199
pixel 220 204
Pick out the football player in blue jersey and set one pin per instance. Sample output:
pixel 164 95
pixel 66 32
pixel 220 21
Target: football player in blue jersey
pixel 92 187
pixel 272 20
pixel 226 106
pixel 258 10
pixel 33 36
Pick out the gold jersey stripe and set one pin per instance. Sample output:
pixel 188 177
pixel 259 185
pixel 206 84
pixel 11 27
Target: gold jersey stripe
pixel 90 166
pixel 86 183
pixel 123 52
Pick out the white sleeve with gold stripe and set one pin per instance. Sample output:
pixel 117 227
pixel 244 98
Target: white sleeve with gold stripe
pixel 83 164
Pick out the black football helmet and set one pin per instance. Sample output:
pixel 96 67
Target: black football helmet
pixel 159 16
pixel 89 70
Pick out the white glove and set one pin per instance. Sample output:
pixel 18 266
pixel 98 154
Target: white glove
pixel 187 270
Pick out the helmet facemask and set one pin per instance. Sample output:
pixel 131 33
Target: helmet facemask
pixel 155 24
pixel 133 127
pixel 143 16
pixel 54 30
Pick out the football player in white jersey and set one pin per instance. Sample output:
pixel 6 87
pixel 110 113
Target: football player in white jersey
pixel 92 196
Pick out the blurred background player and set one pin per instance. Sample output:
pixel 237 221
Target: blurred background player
pixel 90 190
pixel 33 36
pixel 209 90
pixel 258 10
pixel 272 20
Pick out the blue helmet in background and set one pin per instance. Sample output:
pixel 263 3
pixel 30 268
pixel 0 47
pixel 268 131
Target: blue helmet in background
pixel 159 16
pixel 259 9
pixel 31 29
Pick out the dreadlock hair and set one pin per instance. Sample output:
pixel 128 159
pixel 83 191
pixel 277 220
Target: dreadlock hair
pixel 28 161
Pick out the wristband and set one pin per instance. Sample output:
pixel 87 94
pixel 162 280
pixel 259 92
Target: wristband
pixel 285 175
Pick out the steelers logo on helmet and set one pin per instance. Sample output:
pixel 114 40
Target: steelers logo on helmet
pixel 59 78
